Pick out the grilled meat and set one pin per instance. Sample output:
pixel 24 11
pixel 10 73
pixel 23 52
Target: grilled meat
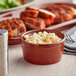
pixel 14 26
pixel 34 23
pixel 63 12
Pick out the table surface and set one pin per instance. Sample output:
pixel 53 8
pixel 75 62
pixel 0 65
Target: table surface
pixel 19 67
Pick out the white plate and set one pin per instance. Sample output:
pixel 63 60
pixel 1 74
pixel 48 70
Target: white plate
pixel 15 8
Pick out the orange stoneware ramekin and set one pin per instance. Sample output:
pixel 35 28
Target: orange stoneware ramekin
pixel 43 54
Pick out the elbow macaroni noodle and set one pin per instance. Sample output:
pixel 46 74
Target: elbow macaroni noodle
pixel 42 38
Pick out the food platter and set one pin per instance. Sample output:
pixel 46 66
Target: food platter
pixel 16 14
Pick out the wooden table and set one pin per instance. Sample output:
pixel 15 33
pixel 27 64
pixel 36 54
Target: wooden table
pixel 19 67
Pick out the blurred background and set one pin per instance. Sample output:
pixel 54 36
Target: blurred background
pixel 46 1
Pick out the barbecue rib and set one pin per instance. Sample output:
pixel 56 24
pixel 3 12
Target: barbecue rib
pixel 34 23
pixel 63 12
pixel 14 26
pixel 42 15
